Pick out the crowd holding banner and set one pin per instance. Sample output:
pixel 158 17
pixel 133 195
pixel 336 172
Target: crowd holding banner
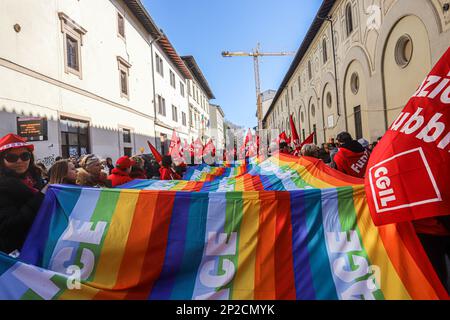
pixel 158 226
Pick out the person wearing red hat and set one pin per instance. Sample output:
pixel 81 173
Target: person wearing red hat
pixel 121 173
pixel 21 191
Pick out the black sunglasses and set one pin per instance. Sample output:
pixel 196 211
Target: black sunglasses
pixel 11 157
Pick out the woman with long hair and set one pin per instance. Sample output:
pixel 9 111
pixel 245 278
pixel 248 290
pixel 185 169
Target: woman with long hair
pixel 21 191
pixel 63 172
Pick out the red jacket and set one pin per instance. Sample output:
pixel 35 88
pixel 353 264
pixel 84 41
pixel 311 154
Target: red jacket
pixel 119 177
pixel 352 159
pixel 168 174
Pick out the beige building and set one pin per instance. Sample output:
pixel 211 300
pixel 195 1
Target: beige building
pixel 360 79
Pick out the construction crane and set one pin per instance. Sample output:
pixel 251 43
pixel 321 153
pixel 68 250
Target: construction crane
pixel 256 54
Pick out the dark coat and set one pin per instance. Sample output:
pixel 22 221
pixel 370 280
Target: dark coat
pixel 18 208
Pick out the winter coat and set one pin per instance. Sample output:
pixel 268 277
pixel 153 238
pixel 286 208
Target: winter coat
pixel 352 159
pixel 137 173
pixel 119 177
pixel 84 178
pixel 18 208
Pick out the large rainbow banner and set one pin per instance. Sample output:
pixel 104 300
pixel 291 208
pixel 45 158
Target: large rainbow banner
pixel 287 228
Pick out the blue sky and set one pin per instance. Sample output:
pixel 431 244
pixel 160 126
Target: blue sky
pixel 205 28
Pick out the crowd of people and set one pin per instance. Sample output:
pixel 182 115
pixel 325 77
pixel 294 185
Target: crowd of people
pixel 23 184
pixel 343 153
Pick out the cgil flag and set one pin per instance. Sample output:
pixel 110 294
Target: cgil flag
pixel 409 170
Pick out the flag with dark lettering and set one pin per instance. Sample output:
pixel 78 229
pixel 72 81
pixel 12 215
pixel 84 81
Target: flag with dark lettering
pixel 408 176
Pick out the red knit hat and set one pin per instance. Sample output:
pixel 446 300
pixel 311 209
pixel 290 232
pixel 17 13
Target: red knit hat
pixel 125 162
pixel 13 141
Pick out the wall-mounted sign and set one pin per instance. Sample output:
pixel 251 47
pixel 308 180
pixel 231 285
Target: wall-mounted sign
pixel 330 121
pixel 32 128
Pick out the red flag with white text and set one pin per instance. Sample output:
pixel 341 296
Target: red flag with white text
pixel 408 174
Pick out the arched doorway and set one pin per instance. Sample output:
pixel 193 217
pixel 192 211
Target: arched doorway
pixel 313 111
pixel 355 94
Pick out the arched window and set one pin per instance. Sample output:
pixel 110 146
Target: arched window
pixel 349 18
pixel 324 50
pixel 309 70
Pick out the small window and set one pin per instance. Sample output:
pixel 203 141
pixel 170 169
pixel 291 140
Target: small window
pixel 358 122
pixel 328 100
pixel 183 118
pixel 315 133
pixel 191 122
pixel 182 89
pixel 161 106
pixel 159 65
pixel 302 116
pixel 313 110
pixel 72 42
pixel 354 83
pixel 309 70
pixel 126 135
pixel 349 19
pixel 172 79
pixel 72 53
pixel 299 82
pixel 74 137
pixel 120 25
pixel 292 93
pixel 324 51
pixel 124 69
pixel 174 113
pixel 403 51
pixel 124 82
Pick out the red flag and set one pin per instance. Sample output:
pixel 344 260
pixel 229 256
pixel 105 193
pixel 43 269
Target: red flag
pixel 309 139
pixel 173 143
pixel 408 173
pixel 198 148
pixel 283 138
pixel 175 149
pixel 295 137
pixel 155 152
pixel 209 148
pixel 191 149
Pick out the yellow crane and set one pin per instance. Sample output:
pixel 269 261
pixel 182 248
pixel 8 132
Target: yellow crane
pixel 256 54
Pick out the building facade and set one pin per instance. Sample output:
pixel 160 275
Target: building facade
pixel 216 116
pixel 266 101
pixel 358 65
pixel 170 76
pixel 90 77
pixel 199 94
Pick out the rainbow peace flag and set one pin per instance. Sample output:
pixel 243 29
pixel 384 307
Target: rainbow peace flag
pixel 315 242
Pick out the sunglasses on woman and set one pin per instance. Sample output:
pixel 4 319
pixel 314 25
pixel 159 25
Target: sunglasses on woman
pixel 12 157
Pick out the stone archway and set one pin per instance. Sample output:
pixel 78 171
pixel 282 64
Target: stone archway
pixel 355 98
